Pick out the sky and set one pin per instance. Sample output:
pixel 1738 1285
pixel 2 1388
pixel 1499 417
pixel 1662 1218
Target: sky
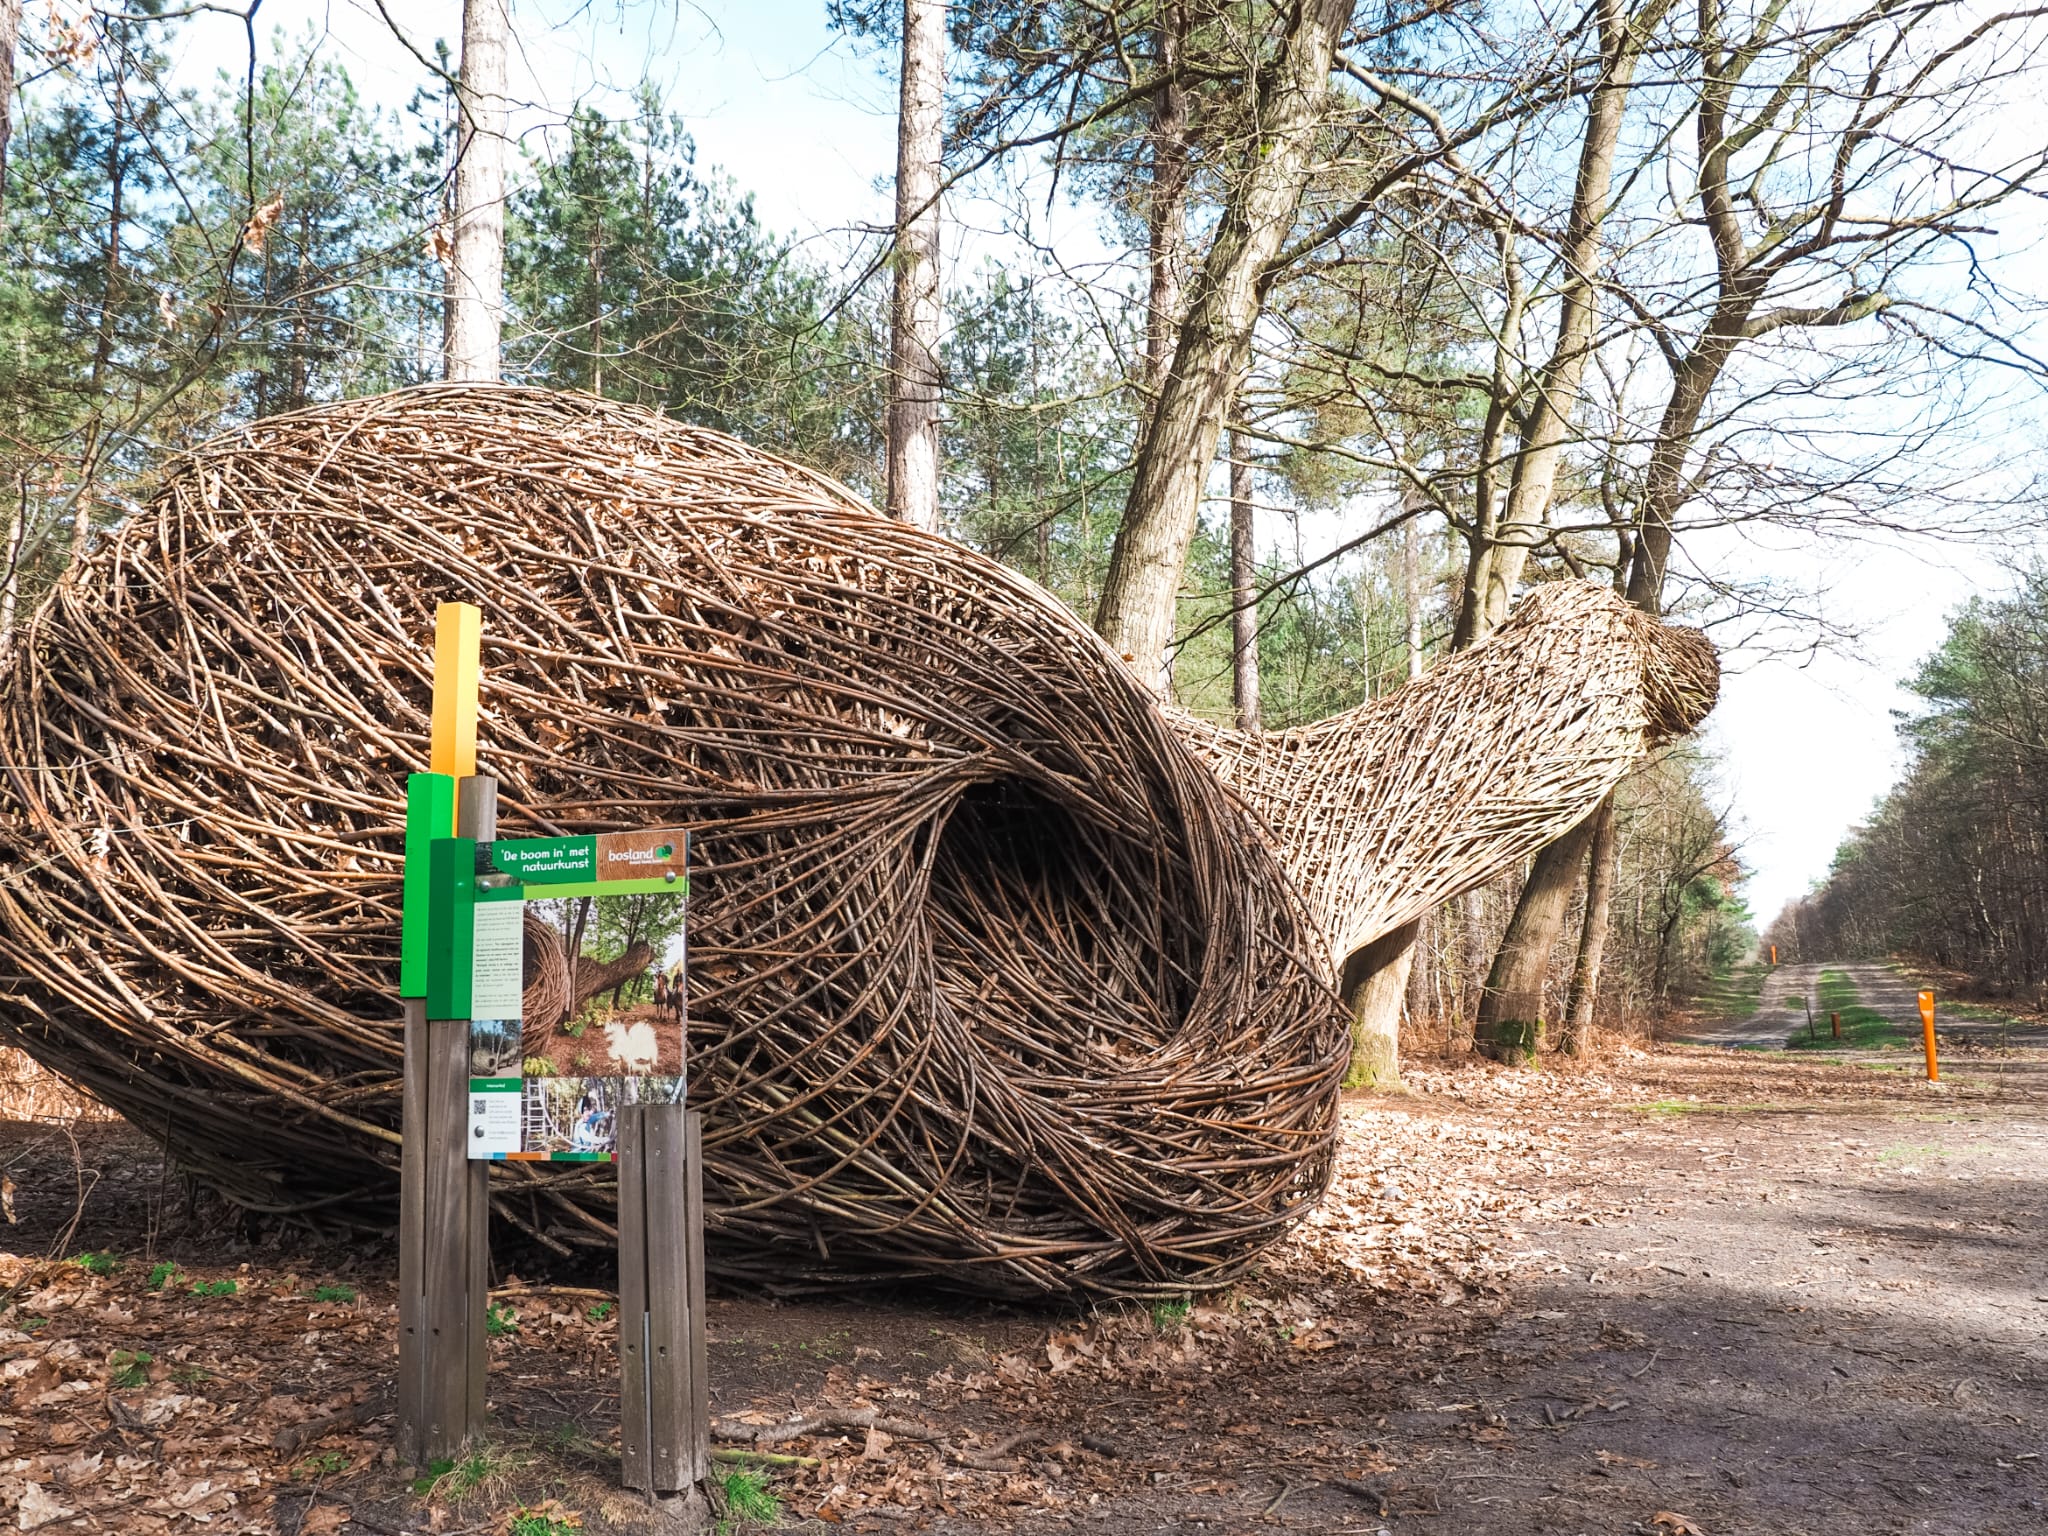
pixel 805 120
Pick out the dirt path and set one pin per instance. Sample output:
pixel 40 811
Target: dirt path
pixel 1789 990
pixel 1756 1292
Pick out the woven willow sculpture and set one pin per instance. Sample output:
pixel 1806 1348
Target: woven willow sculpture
pixel 991 980
pixel 1384 812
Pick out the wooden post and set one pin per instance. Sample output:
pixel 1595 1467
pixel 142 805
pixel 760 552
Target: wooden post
pixel 663 1395
pixel 1927 1035
pixel 1835 1023
pixel 443 1197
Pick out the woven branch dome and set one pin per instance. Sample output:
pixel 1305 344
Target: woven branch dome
pixel 991 981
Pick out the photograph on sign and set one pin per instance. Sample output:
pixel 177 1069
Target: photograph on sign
pixel 577 999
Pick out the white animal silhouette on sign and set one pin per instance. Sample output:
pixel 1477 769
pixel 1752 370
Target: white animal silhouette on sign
pixel 632 1046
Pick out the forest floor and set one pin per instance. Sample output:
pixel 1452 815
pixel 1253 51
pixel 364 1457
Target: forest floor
pixel 1693 1289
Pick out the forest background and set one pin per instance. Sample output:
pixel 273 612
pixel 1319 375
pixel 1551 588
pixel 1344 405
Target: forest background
pixel 209 220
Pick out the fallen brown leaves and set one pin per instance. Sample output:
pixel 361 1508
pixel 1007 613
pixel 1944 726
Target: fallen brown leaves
pixel 127 1408
pixel 138 1409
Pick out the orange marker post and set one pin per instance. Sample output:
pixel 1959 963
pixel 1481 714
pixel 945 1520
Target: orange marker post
pixel 1927 1034
pixel 1774 954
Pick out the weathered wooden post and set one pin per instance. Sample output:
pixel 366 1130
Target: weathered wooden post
pixel 444 1198
pixel 664 1401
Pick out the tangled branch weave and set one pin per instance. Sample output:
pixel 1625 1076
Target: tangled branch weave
pixel 1384 812
pixel 992 980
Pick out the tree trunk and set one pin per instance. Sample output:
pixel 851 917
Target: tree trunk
pixel 103 345
pixel 1578 1008
pixel 474 302
pixel 1375 988
pixel 1411 592
pixel 10 34
pixel 1166 208
pixel 1244 587
pixel 914 383
pixel 1136 610
pixel 1547 429
pixel 1511 1009
pixel 10 585
pixel 1472 939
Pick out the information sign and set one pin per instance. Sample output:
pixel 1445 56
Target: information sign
pixel 576 989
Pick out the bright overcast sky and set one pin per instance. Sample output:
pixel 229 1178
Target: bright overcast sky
pixel 805 122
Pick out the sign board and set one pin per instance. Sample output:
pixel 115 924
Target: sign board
pixel 575 989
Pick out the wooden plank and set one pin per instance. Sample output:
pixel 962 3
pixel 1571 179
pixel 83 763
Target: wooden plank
pixel 636 1457
pixel 476 818
pixel 412 1173
pixel 477 1281
pixel 458 637
pixel 445 1246
pixel 699 1391
pixel 668 1311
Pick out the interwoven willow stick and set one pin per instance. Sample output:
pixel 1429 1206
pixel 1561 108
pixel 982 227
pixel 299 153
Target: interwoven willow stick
pixel 990 980
pixel 1384 812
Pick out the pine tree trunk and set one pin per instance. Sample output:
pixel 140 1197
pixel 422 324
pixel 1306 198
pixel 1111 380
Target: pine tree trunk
pixel 1511 1009
pixel 914 383
pixel 1136 610
pixel 1578 1008
pixel 1244 579
pixel 10 584
pixel 475 292
pixel 1375 989
pixel 10 35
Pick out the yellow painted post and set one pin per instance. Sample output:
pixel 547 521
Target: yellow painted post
pixel 458 634
pixel 1927 1032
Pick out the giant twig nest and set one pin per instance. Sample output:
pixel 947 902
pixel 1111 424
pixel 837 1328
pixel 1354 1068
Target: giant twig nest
pixel 990 979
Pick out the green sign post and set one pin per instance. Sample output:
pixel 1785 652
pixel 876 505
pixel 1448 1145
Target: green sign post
pixel 482 1083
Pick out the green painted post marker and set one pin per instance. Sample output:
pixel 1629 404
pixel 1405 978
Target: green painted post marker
pixel 429 813
pixel 451 925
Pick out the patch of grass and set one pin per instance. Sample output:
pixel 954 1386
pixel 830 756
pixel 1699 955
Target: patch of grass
pixel 1734 994
pixel 321 1464
pixel 598 1311
pixel 437 1469
pixel 96 1263
pixel 191 1375
pixel 33 1322
pixel 545 1519
pixel 214 1288
pixel 1169 1315
pixel 128 1368
pixel 1700 1107
pixel 162 1274
pixel 748 1499
pixel 1863 1029
pixel 500 1320
pixel 332 1292
pixel 477 1467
